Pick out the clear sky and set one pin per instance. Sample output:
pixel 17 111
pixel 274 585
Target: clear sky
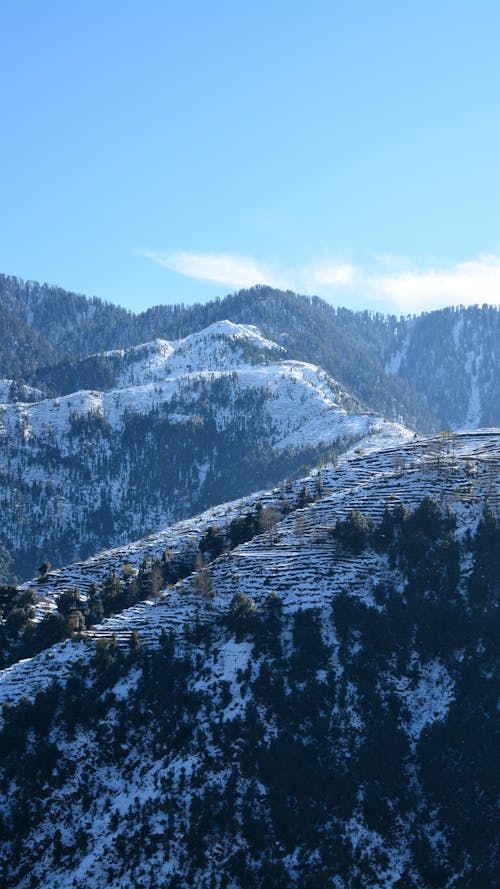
pixel 162 151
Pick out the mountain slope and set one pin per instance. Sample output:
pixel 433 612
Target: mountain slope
pixel 221 346
pixel 452 358
pixel 460 471
pixel 326 718
pixel 68 323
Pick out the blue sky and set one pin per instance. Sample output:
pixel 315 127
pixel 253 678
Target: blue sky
pixel 177 151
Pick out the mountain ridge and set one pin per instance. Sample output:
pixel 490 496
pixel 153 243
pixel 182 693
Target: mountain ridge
pixel 423 369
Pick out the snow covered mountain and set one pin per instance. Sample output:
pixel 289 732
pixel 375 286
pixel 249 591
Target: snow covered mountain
pixel 188 424
pixel 434 371
pixel 323 715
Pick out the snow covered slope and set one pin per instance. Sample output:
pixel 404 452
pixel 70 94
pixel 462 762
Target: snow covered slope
pixel 303 405
pixel 191 423
pixel 222 346
pixel 323 720
pixel 10 391
pixel 295 558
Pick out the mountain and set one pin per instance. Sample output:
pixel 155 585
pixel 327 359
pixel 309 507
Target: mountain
pixel 187 424
pixel 63 323
pixel 295 688
pixel 452 359
pixel 434 371
pixel 313 705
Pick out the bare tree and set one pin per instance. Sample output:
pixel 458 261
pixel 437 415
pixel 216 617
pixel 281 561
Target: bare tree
pixel 269 518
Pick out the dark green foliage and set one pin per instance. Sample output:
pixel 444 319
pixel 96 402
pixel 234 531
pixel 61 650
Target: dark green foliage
pixel 459 758
pixel 484 583
pixel 68 602
pixel 434 361
pixel 43 570
pixel 212 543
pixel 16 614
pixel 6 561
pixel 423 544
pixel 242 615
pixel 72 375
pixel 271 624
pixel 243 528
pixel 23 348
pixel 88 426
pixel 14 600
pixel 50 630
pixel 310 652
pixel 392 520
pixel 61 323
pixel 353 532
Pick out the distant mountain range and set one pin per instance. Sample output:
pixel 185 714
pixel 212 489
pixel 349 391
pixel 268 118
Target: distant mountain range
pixel 434 371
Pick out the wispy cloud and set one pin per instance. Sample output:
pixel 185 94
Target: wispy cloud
pixel 466 283
pixel 392 284
pixel 222 268
pixel 387 283
pixel 331 274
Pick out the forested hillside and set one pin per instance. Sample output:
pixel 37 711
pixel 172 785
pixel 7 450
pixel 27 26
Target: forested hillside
pixel 452 358
pixel 67 323
pixel 315 706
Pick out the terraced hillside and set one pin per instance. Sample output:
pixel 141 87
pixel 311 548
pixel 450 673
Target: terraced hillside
pixel 297 558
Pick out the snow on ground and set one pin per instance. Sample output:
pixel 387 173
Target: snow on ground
pixel 220 346
pixel 394 364
pixel 11 390
pixel 304 406
pixel 232 658
pixel 370 844
pixel 473 418
pixel 427 697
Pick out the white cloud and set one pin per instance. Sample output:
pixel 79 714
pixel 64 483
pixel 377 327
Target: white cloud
pixel 222 268
pixel 393 285
pixel 389 283
pixel 466 283
pixel 331 274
